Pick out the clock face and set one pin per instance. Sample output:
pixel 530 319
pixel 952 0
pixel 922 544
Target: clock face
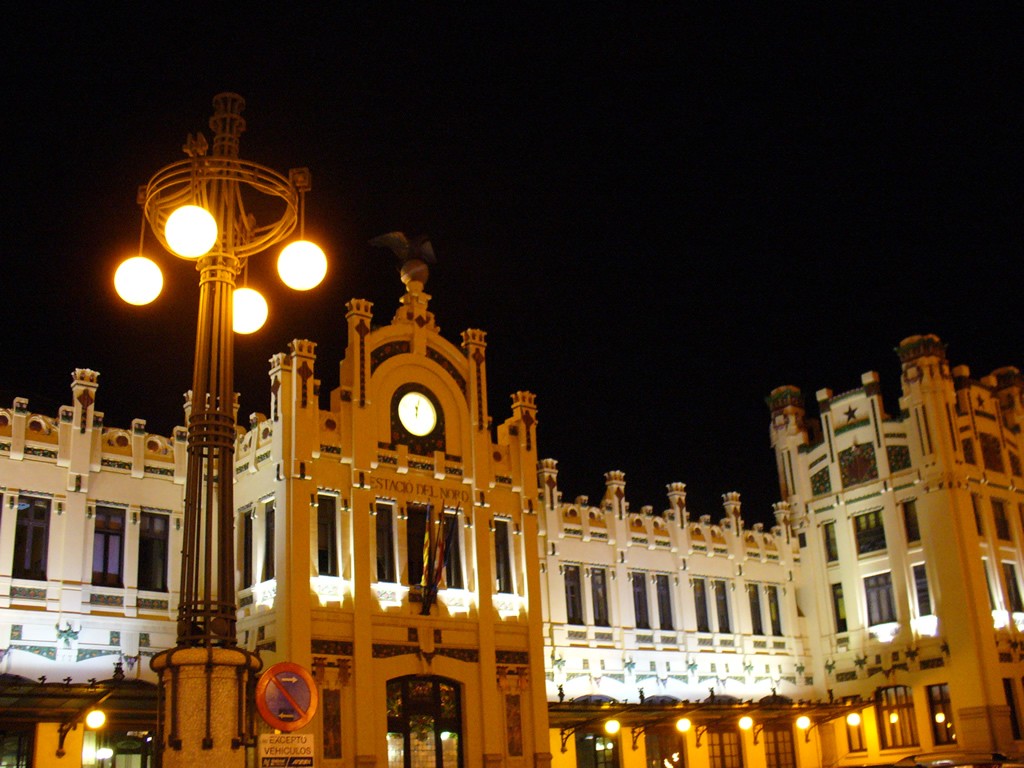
pixel 417 413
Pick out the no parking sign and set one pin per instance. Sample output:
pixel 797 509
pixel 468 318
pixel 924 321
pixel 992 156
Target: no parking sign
pixel 286 696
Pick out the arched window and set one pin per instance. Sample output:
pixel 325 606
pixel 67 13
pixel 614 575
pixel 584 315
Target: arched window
pixel 894 710
pixel 424 723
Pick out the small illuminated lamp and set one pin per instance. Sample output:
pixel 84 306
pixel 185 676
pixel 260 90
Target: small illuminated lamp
pixel 803 722
pixel 191 231
pixel 104 753
pixel 250 311
pixel 302 265
pixel 611 727
pixel 138 280
pixel 746 723
pixel 683 724
pixel 95 719
pixel 940 717
pixel 853 719
pixel 894 717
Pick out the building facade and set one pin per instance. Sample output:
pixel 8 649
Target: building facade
pixel 455 610
pixel 911 532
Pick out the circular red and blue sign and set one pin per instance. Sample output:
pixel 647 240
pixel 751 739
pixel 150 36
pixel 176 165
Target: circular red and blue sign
pixel 286 696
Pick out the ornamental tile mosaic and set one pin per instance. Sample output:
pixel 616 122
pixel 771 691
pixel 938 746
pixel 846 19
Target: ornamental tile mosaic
pixel 387 650
pixel 470 655
pixel 29 593
pixel 95 599
pixel 821 482
pixel 385 351
pixel 899 457
pixel 857 464
pixel 92 653
pixel 331 647
pixel 512 657
pixel 450 369
pixel 46 651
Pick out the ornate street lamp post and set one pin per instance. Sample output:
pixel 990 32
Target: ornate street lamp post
pixel 201 209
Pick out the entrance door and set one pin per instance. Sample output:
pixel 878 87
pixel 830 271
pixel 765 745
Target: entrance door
pixel 424 723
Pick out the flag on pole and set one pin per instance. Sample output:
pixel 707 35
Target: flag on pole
pixel 448 526
pixel 439 552
pixel 426 573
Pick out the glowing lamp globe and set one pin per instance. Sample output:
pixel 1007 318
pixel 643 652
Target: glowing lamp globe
pixel 95 719
pixel 683 724
pixel 612 727
pixel 853 719
pixel 138 280
pixel 250 311
pixel 302 265
pixel 191 231
pixel 746 723
pixel 803 722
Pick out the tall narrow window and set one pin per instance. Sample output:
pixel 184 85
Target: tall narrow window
pixel 774 609
pixel 664 746
pixel 722 605
pixel 940 713
pixel 31 538
pixel 878 592
pixel 327 535
pixel 855 739
pixel 595 750
pixel 756 620
pixel 246 558
pixel 503 557
pixel 724 748
pixel 599 594
pixel 453 551
pixel 1001 520
pixel 839 607
pixel 976 507
pixel 108 547
pixel 924 598
pixel 910 523
pixel 573 595
pixel 153 533
pixel 638 580
pixel 700 600
pixel 1013 598
pixel 385 543
pixel 664 589
pixel 870 532
pixel 779 749
pixel 988 584
pixel 828 531
pixel 415 542
pixel 894 713
pixel 1011 702
pixel 269 540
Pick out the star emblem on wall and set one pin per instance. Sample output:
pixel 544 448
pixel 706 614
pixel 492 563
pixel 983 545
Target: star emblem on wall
pixel 851 414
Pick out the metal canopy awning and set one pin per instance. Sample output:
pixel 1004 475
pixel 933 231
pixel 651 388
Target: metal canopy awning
pixel 572 716
pixel 130 705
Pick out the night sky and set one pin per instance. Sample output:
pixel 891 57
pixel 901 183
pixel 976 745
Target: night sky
pixel 658 216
